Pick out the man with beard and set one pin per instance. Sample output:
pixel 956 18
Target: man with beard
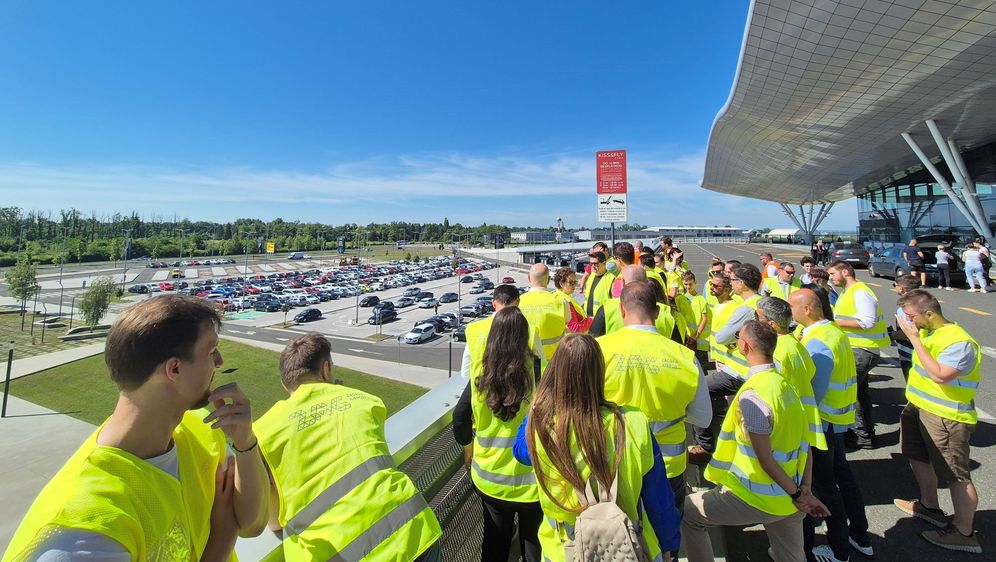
pixel 156 480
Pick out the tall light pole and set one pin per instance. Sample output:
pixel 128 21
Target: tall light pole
pixel 245 238
pixel 62 260
pixel 127 255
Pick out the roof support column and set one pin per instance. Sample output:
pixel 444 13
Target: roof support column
pixel 822 215
pixel 960 173
pixel 800 221
pixel 943 182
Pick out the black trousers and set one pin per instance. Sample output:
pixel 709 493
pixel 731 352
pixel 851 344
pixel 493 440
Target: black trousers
pixel 944 275
pixel 834 484
pixel 864 419
pixel 499 526
pixel 721 385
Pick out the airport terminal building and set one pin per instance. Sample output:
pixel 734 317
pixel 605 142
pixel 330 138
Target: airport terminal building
pixel 892 102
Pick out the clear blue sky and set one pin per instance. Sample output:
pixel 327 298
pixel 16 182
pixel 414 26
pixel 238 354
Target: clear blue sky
pixel 368 111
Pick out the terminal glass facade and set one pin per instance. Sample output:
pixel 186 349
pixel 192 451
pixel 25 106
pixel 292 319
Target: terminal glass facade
pixel 916 204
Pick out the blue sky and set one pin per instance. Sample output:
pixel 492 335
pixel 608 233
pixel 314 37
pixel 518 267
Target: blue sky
pixel 368 111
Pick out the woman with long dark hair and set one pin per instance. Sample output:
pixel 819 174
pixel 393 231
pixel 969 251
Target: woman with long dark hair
pixel 499 394
pixel 576 438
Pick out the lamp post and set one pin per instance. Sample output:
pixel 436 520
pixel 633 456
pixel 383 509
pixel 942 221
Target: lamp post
pixel 62 260
pixel 245 237
pixel 72 311
pixel 127 255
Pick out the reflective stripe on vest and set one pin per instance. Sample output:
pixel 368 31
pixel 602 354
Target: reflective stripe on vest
pixel 525 479
pixel 380 531
pixel 838 404
pixel 336 492
pixel 846 309
pixel 954 400
pixel 793 361
pixel 545 312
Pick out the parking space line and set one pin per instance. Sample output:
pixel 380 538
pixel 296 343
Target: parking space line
pixel 872 284
pixel 974 311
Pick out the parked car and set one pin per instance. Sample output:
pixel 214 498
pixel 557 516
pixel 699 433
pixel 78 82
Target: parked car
pixel 472 310
pixel 369 300
pixel 420 333
pixel 438 322
pixel 383 305
pixel 307 315
pixel 404 302
pixel 466 279
pixel 383 316
pixel 453 318
pixel 889 262
pixel 476 290
pixel 424 295
pixel 507 280
pixel 138 289
pixel 428 303
pixel 412 291
pixel 267 306
pixel 851 252
pixel 448 297
pixel 460 334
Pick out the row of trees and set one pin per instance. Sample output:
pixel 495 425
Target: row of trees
pixel 71 236
pixel 22 283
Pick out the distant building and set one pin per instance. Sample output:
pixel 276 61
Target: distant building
pixel 675 232
pixel 542 236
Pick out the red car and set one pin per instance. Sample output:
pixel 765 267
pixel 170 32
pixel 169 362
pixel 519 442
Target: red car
pixel 460 271
pixel 507 280
pixel 166 286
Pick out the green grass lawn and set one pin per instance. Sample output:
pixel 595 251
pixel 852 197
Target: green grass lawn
pixel 83 389
pixel 26 345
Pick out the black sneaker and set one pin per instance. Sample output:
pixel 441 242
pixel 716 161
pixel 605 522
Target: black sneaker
pixel 853 442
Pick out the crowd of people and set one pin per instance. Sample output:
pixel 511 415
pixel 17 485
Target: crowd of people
pixel 585 404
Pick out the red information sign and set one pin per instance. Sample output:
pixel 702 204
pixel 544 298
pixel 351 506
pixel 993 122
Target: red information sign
pixel 611 166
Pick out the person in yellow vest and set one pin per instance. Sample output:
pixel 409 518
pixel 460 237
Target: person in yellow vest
pixel 698 318
pixel 769 267
pixel 717 267
pixel 489 414
pixel 937 423
pixel 674 259
pixel 647 261
pixel 858 313
pixel 835 391
pixel 762 467
pixel 477 332
pixel 625 256
pixel 589 270
pixel 783 284
pixel 566 281
pixel 156 480
pixel 609 318
pixel 338 494
pixel 647 370
pixel 596 286
pixel 543 310
pixel 574 436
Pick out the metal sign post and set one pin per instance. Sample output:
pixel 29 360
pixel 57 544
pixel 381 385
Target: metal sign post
pixel 6 382
pixel 611 188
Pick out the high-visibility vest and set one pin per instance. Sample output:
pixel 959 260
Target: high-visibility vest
pixel 764 268
pixel 845 309
pixel 494 470
pixel 477 338
pixel 652 275
pixel 601 292
pixel 837 406
pixel 695 307
pixel 672 280
pixel 649 371
pixel 796 365
pixel 341 496
pixel 546 313
pixel 955 399
pixel 775 288
pixel 731 356
pixel 637 460
pixel 612 310
pixel 150 513
pixel 571 301
pixel 735 465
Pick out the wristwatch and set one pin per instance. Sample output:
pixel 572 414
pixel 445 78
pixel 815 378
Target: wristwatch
pixel 797 494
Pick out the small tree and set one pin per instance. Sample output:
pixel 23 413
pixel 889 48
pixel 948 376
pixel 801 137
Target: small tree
pixel 96 300
pixel 22 282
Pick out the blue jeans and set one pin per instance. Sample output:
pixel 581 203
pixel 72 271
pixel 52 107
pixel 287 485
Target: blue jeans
pixel 975 270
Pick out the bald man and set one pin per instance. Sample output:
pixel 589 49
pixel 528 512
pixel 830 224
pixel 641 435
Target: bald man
pixel 835 391
pixel 609 318
pixel 543 310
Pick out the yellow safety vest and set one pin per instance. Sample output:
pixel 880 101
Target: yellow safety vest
pixel 776 289
pixel 614 321
pixel 673 281
pixel 955 399
pixel 838 403
pixel 546 313
pixel 795 363
pixel 845 309
pixel 637 460
pixel 341 496
pixel 601 293
pixel 570 300
pixel 652 275
pixel 734 464
pixel 695 307
pixel 648 371
pixel 730 353
pixel 106 490
pixel 494 470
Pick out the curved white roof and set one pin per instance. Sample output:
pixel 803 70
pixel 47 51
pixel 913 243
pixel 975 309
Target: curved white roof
pixel 825 88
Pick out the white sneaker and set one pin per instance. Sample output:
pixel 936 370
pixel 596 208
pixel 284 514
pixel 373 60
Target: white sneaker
pixel 949 288
pixel 971 290
pixel 866 551
pixel 824 553
pixel 983 291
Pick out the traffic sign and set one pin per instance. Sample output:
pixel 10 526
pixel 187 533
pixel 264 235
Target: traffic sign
pixel 611 185
pixel 271 247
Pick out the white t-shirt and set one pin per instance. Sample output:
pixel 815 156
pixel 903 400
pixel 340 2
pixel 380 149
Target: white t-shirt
pixel 67 545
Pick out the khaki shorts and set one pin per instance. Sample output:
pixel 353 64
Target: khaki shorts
pixel 939 441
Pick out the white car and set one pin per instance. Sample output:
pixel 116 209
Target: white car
pixel 428 303
pixel 420 333
pixel 312 299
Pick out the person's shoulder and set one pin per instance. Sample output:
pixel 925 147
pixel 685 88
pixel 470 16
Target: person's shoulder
pixel 65 544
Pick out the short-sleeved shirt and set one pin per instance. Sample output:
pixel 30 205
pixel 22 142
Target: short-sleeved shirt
pixel 912 254
pixel 943 258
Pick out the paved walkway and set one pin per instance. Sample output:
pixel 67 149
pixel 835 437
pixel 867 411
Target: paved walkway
pixel 30 365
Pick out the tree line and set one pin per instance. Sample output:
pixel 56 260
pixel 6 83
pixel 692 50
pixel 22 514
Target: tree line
pixel 72 236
